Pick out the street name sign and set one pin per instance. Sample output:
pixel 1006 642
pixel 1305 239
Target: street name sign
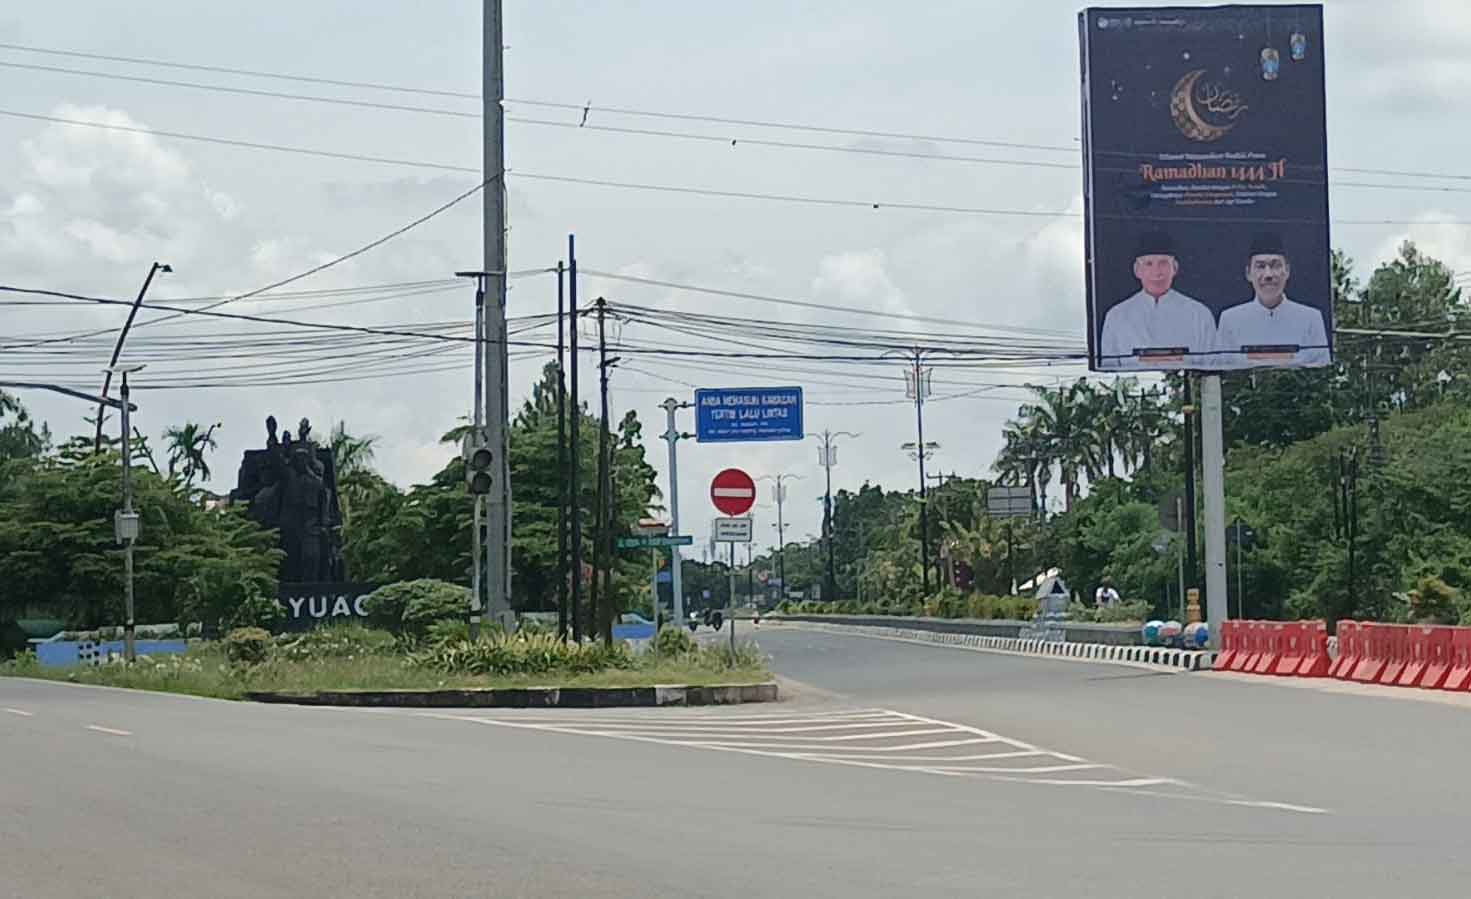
pixel 654 542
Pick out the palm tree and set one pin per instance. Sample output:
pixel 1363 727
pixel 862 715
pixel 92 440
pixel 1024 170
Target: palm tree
pixel 187 448
pixel 1068 433
pixel 352 455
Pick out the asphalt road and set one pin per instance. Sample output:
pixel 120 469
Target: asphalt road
pixel 924 772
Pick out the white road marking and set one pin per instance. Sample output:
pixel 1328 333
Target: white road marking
pixel 875 739
pixel 21 712
pixel 109 730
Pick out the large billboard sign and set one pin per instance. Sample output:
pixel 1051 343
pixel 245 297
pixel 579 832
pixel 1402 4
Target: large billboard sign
pixel 1205 183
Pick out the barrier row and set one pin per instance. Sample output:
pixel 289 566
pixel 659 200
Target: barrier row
pixel 1282 648
pixel 1431 657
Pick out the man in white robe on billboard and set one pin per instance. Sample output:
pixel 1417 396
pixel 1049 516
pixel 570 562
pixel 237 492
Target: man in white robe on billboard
pixel 1158 327
pixel 1270 329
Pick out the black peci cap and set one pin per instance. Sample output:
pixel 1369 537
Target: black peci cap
pixel 1267 243
pixel 1155 243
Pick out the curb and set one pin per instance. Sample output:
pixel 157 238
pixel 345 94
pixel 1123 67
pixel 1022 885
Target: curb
pixel 1177 659
pixel 531 697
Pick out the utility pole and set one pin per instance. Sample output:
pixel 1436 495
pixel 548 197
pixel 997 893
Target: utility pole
pixel 779 493
pixel 1189 450
pixel 126 521
pixel 117 348
pixel 1213 470
pixel 498 531
pixel 562 495
pixel 603 596
pixel 672 436
pixel 827 457
pixel 575 448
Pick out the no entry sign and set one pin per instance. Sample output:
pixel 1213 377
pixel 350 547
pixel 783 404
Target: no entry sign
pixel 733 492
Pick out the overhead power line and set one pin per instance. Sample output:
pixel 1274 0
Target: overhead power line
pixel 664 188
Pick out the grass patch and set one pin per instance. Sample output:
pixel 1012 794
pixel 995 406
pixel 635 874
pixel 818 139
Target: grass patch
pixel 205 671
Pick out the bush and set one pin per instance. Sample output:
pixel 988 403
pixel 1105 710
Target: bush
pixel 673 641
pixel 522 654
pixel 337 641
pixel 247 645
pixel 259 611
pixel 1128 612
pixel 448 631
pixel 411 607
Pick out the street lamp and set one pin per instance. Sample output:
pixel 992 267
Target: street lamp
pixel 125 520
pixel 827 457
pixel 117 349
pixel 779 493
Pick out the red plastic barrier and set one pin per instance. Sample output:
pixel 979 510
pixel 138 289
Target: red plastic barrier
pixel 1292 639
pixel 1251 647
pixel 1272 640
pixel 1350 650
pixel 1398 653
pixel 1374 644
pixel 1230 644
pixel 1459 677
pixel 1430 657
pixel 1316 662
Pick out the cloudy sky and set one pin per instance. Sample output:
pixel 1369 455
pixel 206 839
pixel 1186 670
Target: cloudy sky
pixel 88 210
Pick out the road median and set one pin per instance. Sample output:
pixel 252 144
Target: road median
pixel 531 697
pixel 1137 656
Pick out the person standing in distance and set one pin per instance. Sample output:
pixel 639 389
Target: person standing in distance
pixel 1105 595
pixel 1270 319
pixel 1157 321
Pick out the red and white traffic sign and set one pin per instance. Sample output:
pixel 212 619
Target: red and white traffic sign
pixel 733 492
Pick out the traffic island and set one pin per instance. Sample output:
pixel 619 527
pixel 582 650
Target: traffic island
pixel 530 697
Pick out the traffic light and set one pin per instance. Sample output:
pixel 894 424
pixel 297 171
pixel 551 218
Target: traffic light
pixel 478 458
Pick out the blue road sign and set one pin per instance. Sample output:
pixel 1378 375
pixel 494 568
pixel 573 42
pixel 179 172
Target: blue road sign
pixel 743 414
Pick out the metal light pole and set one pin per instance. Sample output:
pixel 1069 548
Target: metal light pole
pixel 125 522
pixel 827 457
pixel 920 452
pixel 672 436
pixel 779 493
pixel 117 348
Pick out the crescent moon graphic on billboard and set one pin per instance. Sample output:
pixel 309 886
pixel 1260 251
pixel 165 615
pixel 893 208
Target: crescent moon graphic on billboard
pixel 1187 118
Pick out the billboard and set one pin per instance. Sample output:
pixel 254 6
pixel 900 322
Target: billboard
pixel 1206 190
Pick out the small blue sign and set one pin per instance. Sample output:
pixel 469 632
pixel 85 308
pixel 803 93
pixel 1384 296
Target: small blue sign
pixel 746 414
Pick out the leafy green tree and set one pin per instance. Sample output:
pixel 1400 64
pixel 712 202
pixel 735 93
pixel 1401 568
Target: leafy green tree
pixel 59 555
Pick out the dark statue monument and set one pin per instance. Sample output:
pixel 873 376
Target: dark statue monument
pixel 291 486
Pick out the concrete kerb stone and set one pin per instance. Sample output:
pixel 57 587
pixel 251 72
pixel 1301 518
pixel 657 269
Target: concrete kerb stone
pixel 532 697
pixel 1157 657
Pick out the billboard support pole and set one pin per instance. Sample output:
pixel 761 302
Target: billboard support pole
pixel 1213 465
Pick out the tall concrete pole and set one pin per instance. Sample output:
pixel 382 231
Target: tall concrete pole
pixel 672 437
pixel 130 651
pixel 1213 465
pixel 498 511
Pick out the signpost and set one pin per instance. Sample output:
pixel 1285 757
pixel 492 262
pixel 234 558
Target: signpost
pixel 744 414
pixel 654 535
pixel 1007 503
pixel 734 493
